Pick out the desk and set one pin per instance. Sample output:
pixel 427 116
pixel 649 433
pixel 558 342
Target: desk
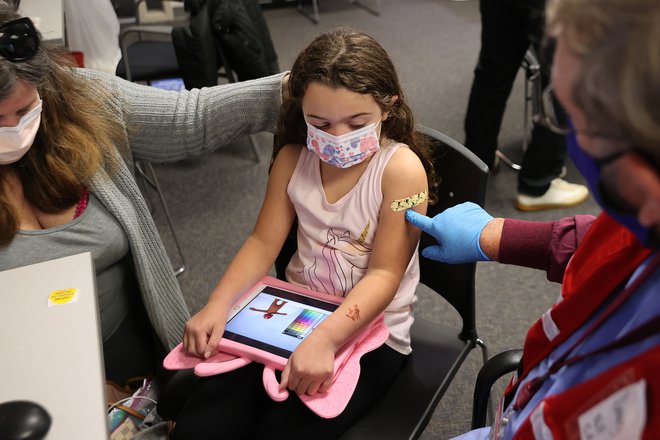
pixel 48 17
pixel 50 345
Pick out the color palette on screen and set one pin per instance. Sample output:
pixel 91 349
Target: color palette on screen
pixel 304 323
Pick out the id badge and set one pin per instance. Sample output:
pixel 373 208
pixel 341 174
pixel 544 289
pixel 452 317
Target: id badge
pixel 495 431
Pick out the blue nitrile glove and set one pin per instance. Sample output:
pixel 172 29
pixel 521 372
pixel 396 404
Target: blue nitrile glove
pixel 457 230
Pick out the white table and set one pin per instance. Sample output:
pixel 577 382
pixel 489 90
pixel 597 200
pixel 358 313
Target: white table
pixel 48 17
pixel 50 343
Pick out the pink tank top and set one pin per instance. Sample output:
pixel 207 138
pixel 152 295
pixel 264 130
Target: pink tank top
pixel 335 240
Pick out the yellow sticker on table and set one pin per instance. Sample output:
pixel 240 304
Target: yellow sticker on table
pixel 408 202
pixel 64 296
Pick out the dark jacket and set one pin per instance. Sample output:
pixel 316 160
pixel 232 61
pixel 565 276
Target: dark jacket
pixel 232 33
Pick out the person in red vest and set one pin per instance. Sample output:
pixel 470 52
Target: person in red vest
pixel 590 363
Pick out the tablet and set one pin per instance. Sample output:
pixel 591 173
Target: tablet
pixel 269 322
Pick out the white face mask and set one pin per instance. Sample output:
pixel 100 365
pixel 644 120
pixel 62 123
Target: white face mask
pixel 16 141
pixel 346 150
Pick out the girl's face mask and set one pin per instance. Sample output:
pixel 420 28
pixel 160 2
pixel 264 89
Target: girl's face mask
pixel 346 150
pixel 16 141
pixel 591 169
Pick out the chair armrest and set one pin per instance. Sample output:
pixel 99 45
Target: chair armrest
pixel 493 369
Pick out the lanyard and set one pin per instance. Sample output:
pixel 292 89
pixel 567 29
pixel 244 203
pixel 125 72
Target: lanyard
pixel 641 332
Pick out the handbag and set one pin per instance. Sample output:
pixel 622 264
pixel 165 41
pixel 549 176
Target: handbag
pixel 128 407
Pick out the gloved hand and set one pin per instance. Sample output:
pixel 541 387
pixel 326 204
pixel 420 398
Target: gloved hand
pixel 457 230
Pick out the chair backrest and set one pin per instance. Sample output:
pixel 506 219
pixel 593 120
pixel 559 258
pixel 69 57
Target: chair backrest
pixel 146 47
pixel 463 177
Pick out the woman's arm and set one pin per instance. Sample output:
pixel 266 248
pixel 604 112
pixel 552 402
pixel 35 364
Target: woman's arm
pixel 310 368
pixel 165 126
pixel 540 245
pixel 466 233
pixel 254 259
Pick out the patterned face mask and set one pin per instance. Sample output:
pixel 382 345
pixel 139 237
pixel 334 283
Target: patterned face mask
pixel 346 150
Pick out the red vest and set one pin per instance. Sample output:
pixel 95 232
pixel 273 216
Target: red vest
pixel 603 262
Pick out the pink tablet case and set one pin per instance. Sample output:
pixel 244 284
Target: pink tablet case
pixel 347 361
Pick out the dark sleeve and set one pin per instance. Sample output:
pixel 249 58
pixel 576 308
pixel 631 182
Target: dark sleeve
pixel 543 245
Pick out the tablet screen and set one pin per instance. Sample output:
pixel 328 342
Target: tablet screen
pixel 276 320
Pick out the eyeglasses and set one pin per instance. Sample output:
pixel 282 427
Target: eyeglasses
pixel 544 112
pixel 19 39
pixel 612 145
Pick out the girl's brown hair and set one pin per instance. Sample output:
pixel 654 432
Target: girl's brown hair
pixel 351 59
pixel 74 137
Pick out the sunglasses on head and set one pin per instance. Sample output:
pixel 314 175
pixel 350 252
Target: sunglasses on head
pixel 19 39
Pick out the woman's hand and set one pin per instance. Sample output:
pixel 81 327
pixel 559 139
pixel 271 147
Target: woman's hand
pixel 310 369
pixel 204 330
pixel 465 233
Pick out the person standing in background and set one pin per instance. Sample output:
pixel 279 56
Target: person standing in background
pixel 509 28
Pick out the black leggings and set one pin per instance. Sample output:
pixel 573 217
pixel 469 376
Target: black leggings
pixel 508 28
pixel 235 405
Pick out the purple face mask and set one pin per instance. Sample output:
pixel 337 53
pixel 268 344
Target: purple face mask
pixel 590 168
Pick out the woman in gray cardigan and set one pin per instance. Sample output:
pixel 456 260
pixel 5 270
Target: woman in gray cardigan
pixel 69 139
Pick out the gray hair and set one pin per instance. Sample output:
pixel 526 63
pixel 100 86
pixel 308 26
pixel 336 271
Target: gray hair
pixel 618 43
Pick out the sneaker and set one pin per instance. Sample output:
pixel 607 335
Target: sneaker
pixel 561 194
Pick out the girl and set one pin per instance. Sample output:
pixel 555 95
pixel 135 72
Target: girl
pixel 349 153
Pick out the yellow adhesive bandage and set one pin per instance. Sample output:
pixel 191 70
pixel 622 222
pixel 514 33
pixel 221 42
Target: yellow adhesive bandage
pixel 409 202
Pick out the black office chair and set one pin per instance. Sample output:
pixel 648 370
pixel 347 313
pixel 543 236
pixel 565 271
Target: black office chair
pixel 146 46
pixel 147 59
pixel 438 350
pixel 496 367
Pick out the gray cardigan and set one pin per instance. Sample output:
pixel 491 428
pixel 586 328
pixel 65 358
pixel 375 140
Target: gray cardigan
pixel 162 126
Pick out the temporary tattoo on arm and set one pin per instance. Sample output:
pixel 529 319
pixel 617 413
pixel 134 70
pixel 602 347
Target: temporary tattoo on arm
pixel 409 202
pixel 353 313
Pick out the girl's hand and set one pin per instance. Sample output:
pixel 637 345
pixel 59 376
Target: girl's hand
pixel 310 368
pixel 204 330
